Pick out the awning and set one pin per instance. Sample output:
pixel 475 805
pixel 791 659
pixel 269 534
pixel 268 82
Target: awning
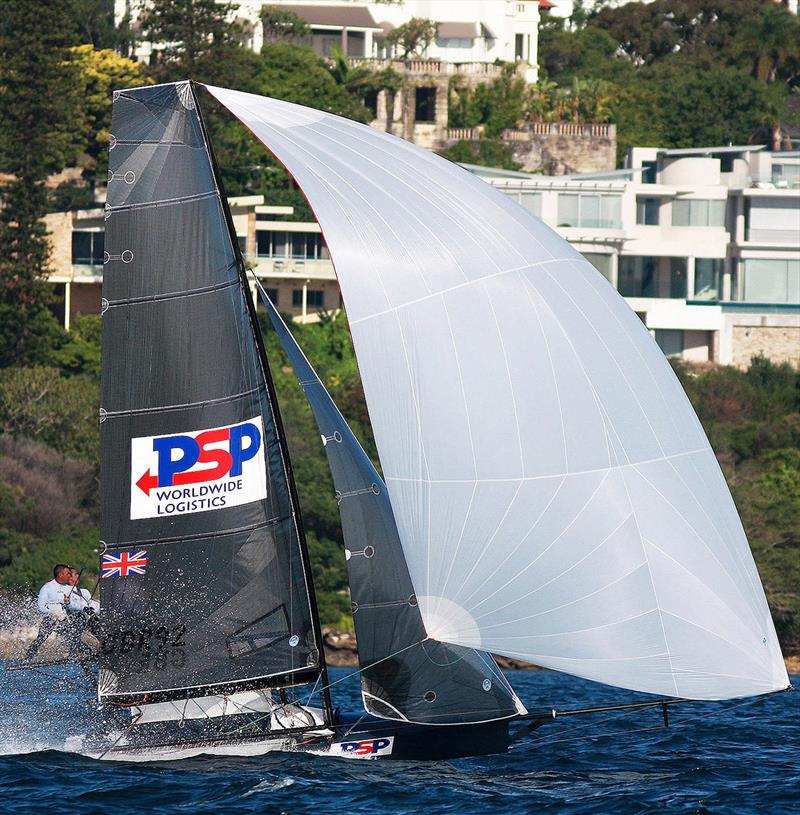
pixel 457 31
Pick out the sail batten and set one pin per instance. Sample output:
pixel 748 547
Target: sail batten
pixel 545 469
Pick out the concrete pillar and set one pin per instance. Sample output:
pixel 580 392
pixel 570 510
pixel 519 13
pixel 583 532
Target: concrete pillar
pixel 690 278
pixel 67 304
pixel 615 270
pixel 304 304
pixel 726 279
pixel 344 40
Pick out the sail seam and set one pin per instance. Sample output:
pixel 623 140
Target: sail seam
pixel 696 534
pixel 163 202
pixel 447 290
pixel 152 298
pixel 652 584
pixel 552 475
pixel 201 403
pixel 200 536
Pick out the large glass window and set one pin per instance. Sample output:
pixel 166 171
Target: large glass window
pixel 698 212
pixel 677 277
pixel 600 262
pixel 315 298
pixel 87 248
pixel 670 341
pixel 590 210
pixel 708 278
pixel 647 211
pixel 532 201
pixel 295 245
pixel 638 276
pixel 771 281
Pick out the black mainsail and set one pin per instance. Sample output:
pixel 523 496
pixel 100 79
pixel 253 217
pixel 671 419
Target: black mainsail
pixel 405 675
pixel 206 585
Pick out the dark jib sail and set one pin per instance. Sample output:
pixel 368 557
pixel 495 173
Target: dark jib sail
pixel 404 674
pixel 205 584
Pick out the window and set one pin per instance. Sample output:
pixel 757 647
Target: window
pixel 707 278
pixel 670 341
pixel 771 281
pixel 453 42
pixel 273 296
pixel 647 211
pixel 242 241
pixel 425 105
pixel 519 46
pixel 590 210
pixel 638 276
pixel 786 175
pixel 315 298
pixel 295 245
pixel 677 277
pixel 532 201
pixel 87 248
pixel 698 212
pixel 649 172
pixel 600 262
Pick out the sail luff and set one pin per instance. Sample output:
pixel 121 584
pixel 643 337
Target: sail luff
pixel 479 331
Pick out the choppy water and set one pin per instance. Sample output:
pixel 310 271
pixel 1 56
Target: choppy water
pixel 731 757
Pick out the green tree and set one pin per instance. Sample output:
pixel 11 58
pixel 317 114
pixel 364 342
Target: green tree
pixel 413 38
pixel 40 133
pixel 281 25
pixel 103 71
pixel 188 35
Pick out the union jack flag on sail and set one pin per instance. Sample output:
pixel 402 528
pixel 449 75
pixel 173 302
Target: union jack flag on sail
pixel 124 564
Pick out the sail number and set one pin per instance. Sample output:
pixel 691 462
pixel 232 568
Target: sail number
pixel 144 640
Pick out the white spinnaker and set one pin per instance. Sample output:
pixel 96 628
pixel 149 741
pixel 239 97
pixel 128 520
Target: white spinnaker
pixel 556 496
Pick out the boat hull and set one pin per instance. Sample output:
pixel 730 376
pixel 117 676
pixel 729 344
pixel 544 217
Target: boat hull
pixel 351 737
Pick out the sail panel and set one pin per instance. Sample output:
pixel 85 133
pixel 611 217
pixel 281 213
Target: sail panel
pixel 404 674
pixel 506 380
pixel 203 579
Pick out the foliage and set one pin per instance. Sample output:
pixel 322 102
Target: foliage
pixel 488 152
pixel 80 354
pixel 94 24
pixel 752 419
pixel 57 410
pixel 39 97
pixel 279 24
pixel 190 35
pixel 102 72
pixel 413 37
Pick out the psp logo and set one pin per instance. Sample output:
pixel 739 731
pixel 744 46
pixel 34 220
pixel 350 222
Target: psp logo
pixel 197 471
pixel 366 748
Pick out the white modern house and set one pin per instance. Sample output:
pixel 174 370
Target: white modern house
pixel 704 244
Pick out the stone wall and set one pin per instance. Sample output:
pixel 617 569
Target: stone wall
pixel 560 148
pixel 778 343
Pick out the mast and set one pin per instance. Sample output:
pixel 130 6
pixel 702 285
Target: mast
pixel 276 413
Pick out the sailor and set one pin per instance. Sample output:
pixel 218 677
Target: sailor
pixel 81 599
pixel 55 597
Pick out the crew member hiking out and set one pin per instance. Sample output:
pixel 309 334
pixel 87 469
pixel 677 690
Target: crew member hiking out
pixel 61 606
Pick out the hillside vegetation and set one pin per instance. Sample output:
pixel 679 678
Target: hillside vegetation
pixel 49 461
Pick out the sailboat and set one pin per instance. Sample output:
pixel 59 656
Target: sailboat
pixel 548 493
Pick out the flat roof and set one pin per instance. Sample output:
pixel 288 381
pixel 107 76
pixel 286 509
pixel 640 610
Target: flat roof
pixel 709 151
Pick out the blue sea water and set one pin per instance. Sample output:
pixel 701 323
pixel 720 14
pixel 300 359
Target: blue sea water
pixel 732 757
